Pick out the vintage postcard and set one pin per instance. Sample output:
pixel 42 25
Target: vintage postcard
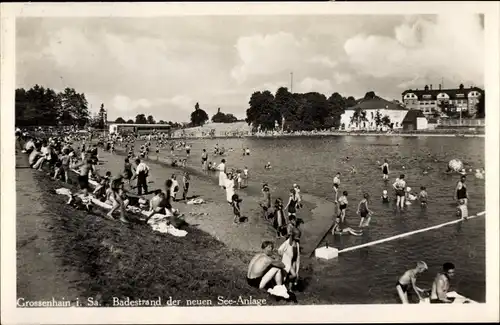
pixel 249 162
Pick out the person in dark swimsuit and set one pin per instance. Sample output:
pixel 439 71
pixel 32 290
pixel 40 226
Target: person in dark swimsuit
pixel 204 158
pixel 364 212
pixel 385 170
pixel 291 207
pixel 461 190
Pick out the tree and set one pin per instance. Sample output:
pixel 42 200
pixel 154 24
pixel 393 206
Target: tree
pixel 262 112
pixel 370 95
pixel 101 118
pixel 141 119
pixel 74 106
pixel 358 116
pixel 386 121
pixel 199 116
pixel 120 120
pixel 151 120
pixel 130 121
pixel 378 118
pixel 218 117
pixel 480 111
pixel 350 102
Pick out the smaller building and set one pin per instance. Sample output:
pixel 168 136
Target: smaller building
pixel 414 120
pixel 363 116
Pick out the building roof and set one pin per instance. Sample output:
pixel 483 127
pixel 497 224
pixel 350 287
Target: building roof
pixel 453 93
pixel 376 103
pixel 411 116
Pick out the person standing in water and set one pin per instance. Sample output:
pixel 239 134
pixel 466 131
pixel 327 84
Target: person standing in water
pixel 364 212
pixel 336 180
pixel 408 280
pixel 399 186
pixel 188 150
pixel 441 285
pixel 266 201
pixel 385 170
pixel 342 206
pixel 461 191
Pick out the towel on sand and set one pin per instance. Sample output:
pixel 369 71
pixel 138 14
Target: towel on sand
pixel 280 291
pixel 196 201
pixel 160 223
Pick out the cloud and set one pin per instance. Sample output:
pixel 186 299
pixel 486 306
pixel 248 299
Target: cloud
pixel 323 60
pixel 452 46
pixel 341 78
pixel 314 85
pixel 267 55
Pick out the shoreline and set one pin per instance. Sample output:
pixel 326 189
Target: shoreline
pixel 408 135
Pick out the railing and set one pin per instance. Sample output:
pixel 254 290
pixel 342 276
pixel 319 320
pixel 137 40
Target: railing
pixel 462 122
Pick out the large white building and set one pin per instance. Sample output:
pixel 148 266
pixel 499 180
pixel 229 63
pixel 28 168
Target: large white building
pixel 428 100
pixel 370 106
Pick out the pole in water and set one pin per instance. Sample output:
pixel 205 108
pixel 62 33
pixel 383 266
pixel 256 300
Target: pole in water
pixel 330 252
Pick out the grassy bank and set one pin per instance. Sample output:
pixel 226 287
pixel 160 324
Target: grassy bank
pixel 117 260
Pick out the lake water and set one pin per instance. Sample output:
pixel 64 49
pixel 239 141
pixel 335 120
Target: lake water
pixel 372 272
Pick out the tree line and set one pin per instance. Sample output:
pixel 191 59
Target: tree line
pixel 39 106
pixel 296 111
pixel 142 119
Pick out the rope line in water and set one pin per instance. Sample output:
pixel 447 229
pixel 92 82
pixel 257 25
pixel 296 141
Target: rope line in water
pixel 408 233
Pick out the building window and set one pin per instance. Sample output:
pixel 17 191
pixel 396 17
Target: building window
pixel 426 96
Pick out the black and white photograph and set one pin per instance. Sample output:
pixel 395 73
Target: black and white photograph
pixel 199 160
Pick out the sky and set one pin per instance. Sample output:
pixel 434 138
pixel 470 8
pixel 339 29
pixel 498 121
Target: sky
pixel 162 66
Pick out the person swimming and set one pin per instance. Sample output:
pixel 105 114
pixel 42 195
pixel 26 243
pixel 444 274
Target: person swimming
pixel 339 229
pixel 385 197
pixel 268 165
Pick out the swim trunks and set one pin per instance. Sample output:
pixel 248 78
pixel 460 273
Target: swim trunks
pixel 343 206
pixel 363 213
pixel 404 287
pixel 83 181
pixel 400 192
pixel 254 282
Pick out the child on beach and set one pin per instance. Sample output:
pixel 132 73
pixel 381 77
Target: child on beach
pixel 462 209
pixel 238 179
pixel 297 195
pixel 175 187
pixel 422 196
pixel 385 197
pixel 245 176
pixel 266 201
pixel 185 181
pixel 364 212
pixel 343 205
pixel 235 203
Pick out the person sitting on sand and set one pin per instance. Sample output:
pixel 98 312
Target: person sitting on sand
pixel 339 229
pixel 409 279
pixel 263 270
pixel 290 252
